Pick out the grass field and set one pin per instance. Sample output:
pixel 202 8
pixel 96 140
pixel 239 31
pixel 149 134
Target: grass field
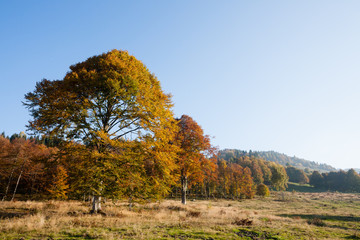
pixel 281 216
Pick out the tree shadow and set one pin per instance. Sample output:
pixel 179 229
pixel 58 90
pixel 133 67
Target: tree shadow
pixel 16 212
pixel 4 215
pixel 323 217
pixel 331 218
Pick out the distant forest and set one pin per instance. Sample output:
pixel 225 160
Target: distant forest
pixel 321 176
pixel 279 158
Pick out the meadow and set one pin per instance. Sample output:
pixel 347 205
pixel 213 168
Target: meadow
pixel 283 215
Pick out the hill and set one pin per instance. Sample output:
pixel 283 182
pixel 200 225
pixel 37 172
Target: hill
pixel 280 158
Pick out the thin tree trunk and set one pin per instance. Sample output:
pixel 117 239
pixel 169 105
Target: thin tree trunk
pixel 17 183
pixel 183 189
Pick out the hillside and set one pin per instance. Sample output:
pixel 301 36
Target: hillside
pixel 278 158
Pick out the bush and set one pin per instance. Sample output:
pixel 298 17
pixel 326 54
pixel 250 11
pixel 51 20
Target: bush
pixel 262 190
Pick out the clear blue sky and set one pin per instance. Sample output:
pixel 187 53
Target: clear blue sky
pixel 260 75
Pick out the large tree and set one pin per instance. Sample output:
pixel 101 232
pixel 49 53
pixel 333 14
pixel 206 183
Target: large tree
pixel 116 125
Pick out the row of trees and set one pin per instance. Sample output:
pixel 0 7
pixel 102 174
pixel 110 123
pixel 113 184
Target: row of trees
pixel 35 170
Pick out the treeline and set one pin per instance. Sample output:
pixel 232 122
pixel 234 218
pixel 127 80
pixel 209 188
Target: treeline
pixel 237 179
pixel 336 181
pixel 33 169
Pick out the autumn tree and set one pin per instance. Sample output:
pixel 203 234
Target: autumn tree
pixel 241 182
pixel 235 177
pixel 59 186
pixel 115 123
pixel 210 172
pixel 279 178
pixel 247 184
pixel 194 148
pixel 224 177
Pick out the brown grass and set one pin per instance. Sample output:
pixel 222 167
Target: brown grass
pixel 296 216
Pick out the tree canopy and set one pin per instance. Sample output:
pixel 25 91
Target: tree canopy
pixel 115 122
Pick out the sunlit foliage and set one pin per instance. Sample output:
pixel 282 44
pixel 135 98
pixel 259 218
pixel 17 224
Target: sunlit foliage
pixel 115 122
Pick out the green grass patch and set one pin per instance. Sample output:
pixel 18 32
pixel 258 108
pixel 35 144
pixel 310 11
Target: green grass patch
pixel 301 188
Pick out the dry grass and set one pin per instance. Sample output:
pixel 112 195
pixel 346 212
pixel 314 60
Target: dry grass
pixel 293 216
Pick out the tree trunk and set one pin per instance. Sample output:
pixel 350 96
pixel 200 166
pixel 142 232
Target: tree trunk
pixel 17 184
pixel 96 204
pixel 183 189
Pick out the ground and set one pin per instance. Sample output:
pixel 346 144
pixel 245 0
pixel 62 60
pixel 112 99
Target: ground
pixel 281 216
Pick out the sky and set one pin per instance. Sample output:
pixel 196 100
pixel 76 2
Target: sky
pixel 260 75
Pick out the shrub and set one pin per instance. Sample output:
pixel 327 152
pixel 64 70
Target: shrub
pixel 262 190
